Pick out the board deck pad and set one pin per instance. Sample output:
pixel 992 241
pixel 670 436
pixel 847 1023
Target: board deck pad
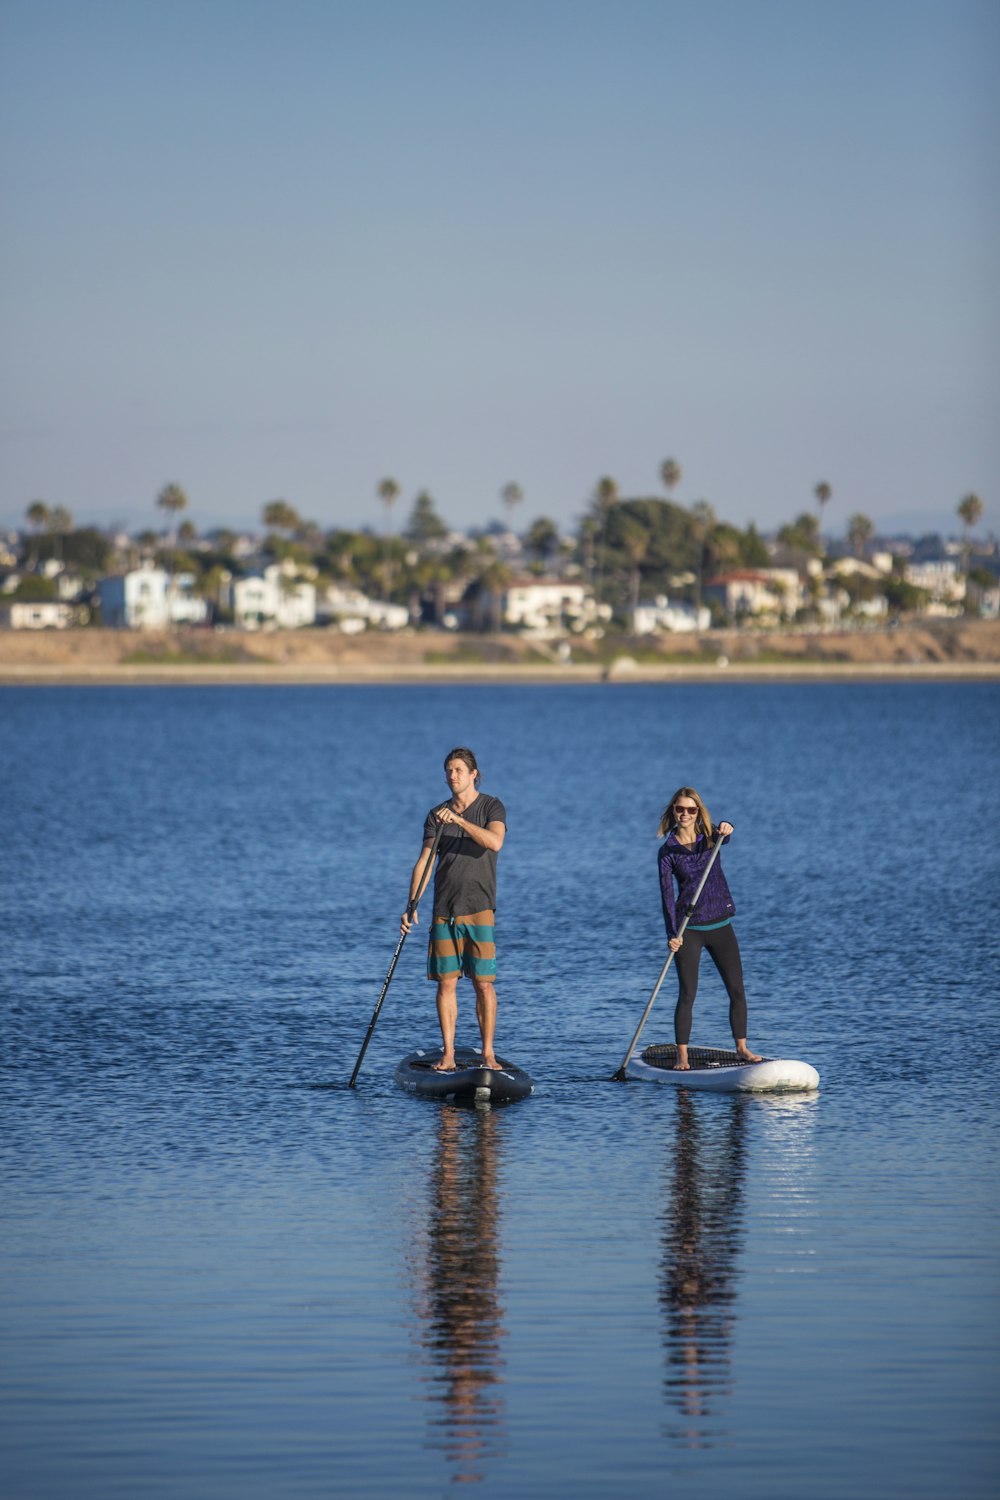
pixel 664 1055
pixel 722 1070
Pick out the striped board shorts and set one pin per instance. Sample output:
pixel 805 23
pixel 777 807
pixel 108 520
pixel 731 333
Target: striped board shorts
pixel 462 945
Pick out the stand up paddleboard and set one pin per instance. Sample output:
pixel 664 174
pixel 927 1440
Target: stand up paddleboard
pixel 723 1072
pixel 470 1083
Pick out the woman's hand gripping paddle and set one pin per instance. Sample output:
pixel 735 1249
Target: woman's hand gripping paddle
pixel 620 1076
pixel 410 911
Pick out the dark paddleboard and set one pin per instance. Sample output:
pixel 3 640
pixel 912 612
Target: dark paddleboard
pixel 470 1083
pixel 723 1071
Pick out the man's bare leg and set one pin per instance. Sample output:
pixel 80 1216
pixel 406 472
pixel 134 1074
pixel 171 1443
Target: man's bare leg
pixel 486 1015
pixel 447 1008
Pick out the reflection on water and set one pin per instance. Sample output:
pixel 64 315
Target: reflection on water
pixel 702 1241
pixel 461 1316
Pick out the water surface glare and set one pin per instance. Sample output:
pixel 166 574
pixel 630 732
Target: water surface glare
pixel 226 1274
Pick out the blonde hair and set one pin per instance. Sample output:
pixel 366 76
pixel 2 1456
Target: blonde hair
pixel 702 823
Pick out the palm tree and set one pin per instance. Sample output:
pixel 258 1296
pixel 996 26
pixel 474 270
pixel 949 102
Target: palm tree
pixel 604 502
pixel 172 499
pixel 543 539
pixel 511 495
pixel 635 537
pixel 60 522
pixel 388 493
pixel 495 580
pixel 671 475
pixel 824 495
pixel 860 530
pixel 278 515
pixel 39 518
pixel 705 518
pixel 969 511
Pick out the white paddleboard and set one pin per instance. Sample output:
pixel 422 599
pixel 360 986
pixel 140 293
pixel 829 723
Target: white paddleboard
pixel 722 1071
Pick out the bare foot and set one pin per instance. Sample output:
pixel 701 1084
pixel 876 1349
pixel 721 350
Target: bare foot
pixel 680 1067
pixel 489 1061
pixel 746 1055
pixel 446 1065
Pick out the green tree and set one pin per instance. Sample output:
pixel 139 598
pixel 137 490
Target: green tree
pixel 671 474
pixel 635 538
pixel 495 581
pixel 424 524
pixel 802 535
pixel 278 515
pixel 39 518
pixel 388 493
pixel 543 539
pixel 824 494
pixel 970 509
pixel 903 597
pixel 60 524
pixel 86 548
pixel 172 500
pixel 753 550
pixel 860 530
pixel 35 589
pixel 511 495
pixel 704 517
pixel 603 504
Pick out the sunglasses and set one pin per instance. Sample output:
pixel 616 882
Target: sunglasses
pixel 682 807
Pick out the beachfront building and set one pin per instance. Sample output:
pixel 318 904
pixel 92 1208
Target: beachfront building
pixel 944 581
pixel 274 598
pixel 760 593
pixel 36 614
pixel 351 611
pixel 663 614
pixel 149 598
pixel 546 605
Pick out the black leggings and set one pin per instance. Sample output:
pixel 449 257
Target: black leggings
pixel 725 951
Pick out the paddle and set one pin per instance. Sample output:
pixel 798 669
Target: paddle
pixel 619 1077
pixel 411 908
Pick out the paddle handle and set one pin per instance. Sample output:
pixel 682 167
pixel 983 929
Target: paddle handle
pixel 619 1077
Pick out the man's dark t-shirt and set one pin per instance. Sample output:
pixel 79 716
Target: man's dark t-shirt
pixel 466 877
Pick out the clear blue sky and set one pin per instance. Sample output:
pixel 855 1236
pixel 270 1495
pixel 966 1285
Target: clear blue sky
pixel 283 248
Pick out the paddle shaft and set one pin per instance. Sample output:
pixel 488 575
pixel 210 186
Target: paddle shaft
pixel 410 911
pixel 620 1075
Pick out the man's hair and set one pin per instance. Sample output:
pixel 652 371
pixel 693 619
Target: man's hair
pixel 466 755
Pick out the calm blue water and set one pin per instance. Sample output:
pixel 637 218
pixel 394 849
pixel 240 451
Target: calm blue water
pixel 225 1275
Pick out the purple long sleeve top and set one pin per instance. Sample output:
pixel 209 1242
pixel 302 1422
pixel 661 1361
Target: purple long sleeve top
pixel 685 864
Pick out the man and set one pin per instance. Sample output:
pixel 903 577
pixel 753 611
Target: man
pixel 465 898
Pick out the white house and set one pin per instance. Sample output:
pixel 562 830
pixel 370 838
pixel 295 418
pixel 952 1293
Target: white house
pixel 39 614
pixel 352 611
pixel 757 591
pixel 661 614
pixel 274 597
pixel 149 598
pixel 942 577
pixel 548 603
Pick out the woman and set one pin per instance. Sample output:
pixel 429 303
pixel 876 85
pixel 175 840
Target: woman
pixel 690 838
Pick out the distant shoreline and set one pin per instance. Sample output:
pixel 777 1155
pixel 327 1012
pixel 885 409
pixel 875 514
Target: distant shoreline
pixel 941 651
pixel 401 676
